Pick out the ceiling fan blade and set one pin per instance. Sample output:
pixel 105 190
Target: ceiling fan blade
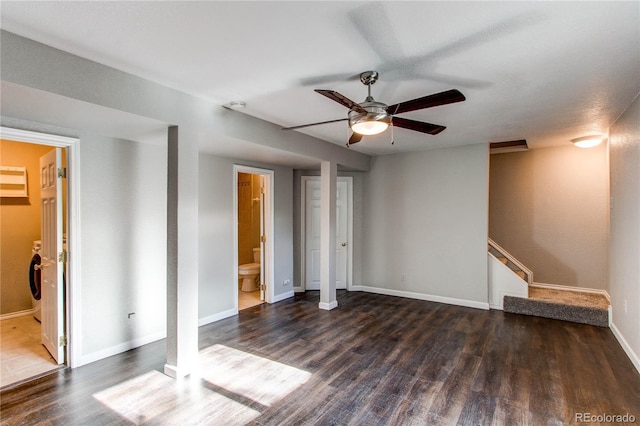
pixel 442 98
pixel 314 124
pixel 341 99
pixel 329 78
pixel 373 23
pixel 418 126
pixel 355 138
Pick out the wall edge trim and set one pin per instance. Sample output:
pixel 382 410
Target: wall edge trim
pixel 17 314
pixel 217 317
pixel 119 348
pixel 423 296
pixel 633 357
pixel 283 296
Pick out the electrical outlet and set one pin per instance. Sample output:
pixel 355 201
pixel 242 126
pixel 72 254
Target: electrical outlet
pixel 403 277
pixel 286 282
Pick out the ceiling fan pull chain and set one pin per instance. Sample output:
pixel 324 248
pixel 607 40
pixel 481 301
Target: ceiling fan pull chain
pixel 393 139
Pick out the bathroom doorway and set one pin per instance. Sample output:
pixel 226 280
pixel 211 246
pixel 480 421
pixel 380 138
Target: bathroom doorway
pixel 253 250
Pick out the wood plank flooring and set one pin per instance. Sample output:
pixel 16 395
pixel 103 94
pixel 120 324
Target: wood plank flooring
pixel 374 360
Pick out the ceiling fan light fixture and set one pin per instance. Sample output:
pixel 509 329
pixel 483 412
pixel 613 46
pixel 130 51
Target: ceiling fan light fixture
pixel 375 120
pixel 370 127
pixel 588 141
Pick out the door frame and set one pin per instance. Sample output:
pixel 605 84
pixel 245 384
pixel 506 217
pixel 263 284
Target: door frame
pixel 73 329
pixel 268 254
pixel 303 234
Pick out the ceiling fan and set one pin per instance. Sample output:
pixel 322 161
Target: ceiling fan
pixel 372 117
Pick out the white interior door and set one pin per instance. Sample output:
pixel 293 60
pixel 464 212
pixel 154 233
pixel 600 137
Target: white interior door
pixel 312 234
pixel 51 253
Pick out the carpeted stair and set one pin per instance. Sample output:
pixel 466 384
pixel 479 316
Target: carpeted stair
pixel 565 305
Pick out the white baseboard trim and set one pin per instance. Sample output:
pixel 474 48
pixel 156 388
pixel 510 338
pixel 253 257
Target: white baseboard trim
pixel 422 296
pixel 298 290
pixel 117 349
pixel 279 297
pixel 635 360
pixel 217 317
pixel 16 314
pixel 568 287
pixel 328 306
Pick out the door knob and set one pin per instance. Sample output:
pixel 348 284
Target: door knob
pixel 344 244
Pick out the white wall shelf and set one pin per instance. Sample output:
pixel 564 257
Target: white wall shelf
pixel 13 181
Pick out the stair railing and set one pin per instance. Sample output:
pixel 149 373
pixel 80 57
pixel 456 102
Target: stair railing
pixel 513 260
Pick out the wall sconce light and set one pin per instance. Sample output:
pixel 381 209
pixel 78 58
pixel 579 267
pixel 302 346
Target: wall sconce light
pixel 587 141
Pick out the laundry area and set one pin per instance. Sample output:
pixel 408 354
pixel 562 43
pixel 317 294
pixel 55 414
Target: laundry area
pixel 25 178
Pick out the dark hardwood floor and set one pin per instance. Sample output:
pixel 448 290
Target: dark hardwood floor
pixel 373 360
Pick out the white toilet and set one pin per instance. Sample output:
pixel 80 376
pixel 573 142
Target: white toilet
pixel 250 273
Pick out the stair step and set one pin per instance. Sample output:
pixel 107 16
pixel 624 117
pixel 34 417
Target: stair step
pixel 521 274
pixel 503 260
pixel 583 308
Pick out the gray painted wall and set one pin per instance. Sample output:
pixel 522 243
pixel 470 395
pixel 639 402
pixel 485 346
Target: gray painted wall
pixel 47 86
pixel 550 209
pixel 123 241
pixel 217 276
pixel 624 278
pixel 426 218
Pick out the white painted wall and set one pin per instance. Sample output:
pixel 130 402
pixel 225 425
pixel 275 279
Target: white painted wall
pixel 624 248
pixel 217 276
pixel 123 220
pixel 426 217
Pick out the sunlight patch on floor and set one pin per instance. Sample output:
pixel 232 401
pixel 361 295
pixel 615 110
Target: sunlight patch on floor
pixel 250 376
pixel 155 396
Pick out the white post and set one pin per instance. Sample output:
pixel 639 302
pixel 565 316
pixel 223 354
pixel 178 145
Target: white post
pixel 328 184
pixel 182 255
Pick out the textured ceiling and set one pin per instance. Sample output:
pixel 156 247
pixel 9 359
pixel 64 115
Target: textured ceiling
pixel 542 71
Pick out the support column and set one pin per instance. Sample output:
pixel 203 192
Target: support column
pixel 328 186
pixel 182 255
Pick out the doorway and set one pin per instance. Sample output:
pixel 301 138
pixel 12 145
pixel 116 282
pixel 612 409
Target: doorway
pixel 58 192
pixel 33 259
pixel 253 251
pixel 310 235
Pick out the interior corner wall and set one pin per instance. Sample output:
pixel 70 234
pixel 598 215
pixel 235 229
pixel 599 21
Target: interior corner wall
pixel 550 209
pixel 216 227
pixel 123 208
pixel 425 224
pixel 19 226
pixel 624 275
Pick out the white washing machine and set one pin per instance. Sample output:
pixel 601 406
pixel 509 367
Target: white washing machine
pixel 35 279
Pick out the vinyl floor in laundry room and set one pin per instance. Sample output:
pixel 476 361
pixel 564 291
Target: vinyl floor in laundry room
pixel 21 352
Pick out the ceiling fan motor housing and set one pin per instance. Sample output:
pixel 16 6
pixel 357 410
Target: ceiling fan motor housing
pixel 375 112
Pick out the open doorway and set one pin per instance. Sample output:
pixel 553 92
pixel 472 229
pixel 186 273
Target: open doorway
pixel 60 324
pixel 33 210
pixel 254 242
